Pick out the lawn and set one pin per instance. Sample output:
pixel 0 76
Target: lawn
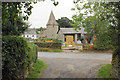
pixel 105 71
pixel 37 69
pixel 49 50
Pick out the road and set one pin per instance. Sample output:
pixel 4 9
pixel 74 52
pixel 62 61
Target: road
pixel 73 65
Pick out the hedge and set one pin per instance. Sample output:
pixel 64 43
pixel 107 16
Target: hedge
pixel 54 40
pixel 32 52
pixel 116 63
pixel 49 45
pixel 16 57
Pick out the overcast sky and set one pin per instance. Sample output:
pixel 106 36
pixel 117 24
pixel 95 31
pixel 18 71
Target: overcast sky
pixel 41 11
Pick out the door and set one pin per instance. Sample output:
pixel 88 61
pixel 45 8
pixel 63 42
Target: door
pixel 69 40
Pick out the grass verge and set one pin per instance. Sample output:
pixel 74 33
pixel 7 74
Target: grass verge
pixel 37 69
pixel 105 71
pixel 49 50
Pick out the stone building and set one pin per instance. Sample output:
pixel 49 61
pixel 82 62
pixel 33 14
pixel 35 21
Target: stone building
pixel 67 35
pixel 42 34
pixel 70 35
pixel 52 27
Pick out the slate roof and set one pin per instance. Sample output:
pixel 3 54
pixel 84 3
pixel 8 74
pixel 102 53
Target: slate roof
pixel 30 31
pixel 52 20
pixel 72 31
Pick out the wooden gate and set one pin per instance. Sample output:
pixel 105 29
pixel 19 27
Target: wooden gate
pixel 69 40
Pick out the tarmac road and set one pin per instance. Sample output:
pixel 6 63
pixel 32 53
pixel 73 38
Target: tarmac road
pixel 71 65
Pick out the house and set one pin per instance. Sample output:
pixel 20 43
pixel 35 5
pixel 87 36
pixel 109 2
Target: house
pixel 30 34
pixel 42 34
pixel 68 35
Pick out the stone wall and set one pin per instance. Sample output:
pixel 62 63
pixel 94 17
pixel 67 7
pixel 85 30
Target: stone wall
pixel 61 36
pixel 51 31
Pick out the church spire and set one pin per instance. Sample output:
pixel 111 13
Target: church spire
pixel 52 20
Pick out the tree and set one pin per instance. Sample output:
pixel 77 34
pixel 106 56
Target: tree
pixel 41 29
pixel 64 22
pixel 109 12
pixel 13 23
pixel 95 21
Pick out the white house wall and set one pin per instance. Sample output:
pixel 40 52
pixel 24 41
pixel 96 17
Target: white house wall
pixel 29 36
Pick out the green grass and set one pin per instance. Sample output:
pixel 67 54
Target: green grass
pixel 65 46
pixel 37 69
pixel 49 50
pixel 105 71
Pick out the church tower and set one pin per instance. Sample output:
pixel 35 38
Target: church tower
pixel 52 27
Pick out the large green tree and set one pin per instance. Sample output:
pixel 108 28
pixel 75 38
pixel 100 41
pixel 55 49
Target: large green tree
pixel 110 13
pixel 64 22
pixel 13 21
pixel 97 19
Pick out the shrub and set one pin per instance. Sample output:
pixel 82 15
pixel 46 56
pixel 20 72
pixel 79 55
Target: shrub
pixel 49 45
pixel 15 57
pixel 103 42
pixel 54 40
pixel 32 52
pixel 49 50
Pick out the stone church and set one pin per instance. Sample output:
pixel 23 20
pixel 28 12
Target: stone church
pixel 67 35
pixel 52 27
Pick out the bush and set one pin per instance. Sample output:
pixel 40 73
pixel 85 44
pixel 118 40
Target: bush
pixel 101 47
pixel 54 40
pixel 49 45
pixel 15 57
pixel 32 52
pixel 103 42
pixel 49 50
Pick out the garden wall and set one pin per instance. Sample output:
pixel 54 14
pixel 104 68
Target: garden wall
pixel 49 45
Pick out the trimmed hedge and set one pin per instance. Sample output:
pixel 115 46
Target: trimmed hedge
pixel 16 57
pixel 49 45
pixel 116 63
pixel 32 52
pixel 54 40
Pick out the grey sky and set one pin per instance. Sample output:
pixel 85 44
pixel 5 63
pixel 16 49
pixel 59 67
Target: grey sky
pixel 41 11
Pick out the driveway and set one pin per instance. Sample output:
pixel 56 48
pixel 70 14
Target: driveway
pixel 71 65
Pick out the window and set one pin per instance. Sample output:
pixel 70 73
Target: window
pixel 27 36
pixel 32 35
